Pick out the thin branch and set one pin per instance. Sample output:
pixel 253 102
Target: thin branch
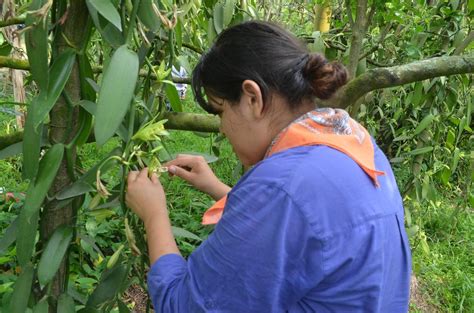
pixel 17 64
pixel 358 33
pixel 179 121
pixel 12 21
pixel 380 78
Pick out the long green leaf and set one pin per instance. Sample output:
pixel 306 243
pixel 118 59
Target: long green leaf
pixel 58 76
pixel 66 304
pixel 228 12
pixel 53 254
pixel 36 40
pixel 425 122
pixel 147 16
pixel 116 93
pixel 110 284
pixel 21 291
pixel 180 232
pixel 218 15
pixel 26 237
pixel 38 189
pixel 31 143
pixel 11 150
pixel 107 10
pixel 173 97
pixel 421 150
pixel 9 236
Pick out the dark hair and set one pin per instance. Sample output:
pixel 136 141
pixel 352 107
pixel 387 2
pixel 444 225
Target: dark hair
pixel 272 57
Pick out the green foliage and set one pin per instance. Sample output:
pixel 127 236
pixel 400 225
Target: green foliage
pixel 425 129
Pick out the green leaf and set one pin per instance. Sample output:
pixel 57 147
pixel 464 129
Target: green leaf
pixel 26 237
pixel 180 232
pixel 21 291
pixel 318 43
pixel 36 40
pixel 228 12
pixel 173 97
pixel 31 143
pixel 53 254
pixel 425 122
pixel 147 16
pixel 218 15
pixel 9 236
pixel 66 304
pixel 42 306
pixel 417 94
pixel 11 150
pixel 456 157
pixel 421 150
pixel 38 188
pixel 116 92
pixel 178 33
pixel 109 285
pixel 211 32
pixel 109 32
pixel 58 76
pixel 107 10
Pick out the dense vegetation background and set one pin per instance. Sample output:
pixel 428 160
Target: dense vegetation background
pixel 94 80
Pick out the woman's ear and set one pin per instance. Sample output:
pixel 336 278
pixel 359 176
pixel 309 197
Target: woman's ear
pixel 252 96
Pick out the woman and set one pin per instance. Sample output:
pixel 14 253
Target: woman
pixel 316 225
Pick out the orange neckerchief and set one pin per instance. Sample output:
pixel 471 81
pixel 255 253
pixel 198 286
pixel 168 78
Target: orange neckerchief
pixel 329 127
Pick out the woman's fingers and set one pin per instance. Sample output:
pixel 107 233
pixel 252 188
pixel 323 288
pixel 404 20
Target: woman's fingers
pixel 180 172
pixel 132 176
pixel 154 178
pixel 143 173
pixel 185 160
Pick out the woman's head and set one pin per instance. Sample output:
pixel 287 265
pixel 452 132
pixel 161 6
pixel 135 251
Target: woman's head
pixel 257 76
pixel 270 56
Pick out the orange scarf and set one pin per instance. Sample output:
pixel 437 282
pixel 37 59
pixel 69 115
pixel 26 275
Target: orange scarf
pixel 330 127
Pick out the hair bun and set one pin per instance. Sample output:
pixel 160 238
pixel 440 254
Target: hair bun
pixel 324 77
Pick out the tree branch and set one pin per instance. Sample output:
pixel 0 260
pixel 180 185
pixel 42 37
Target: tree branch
pixel 180 121
pixel 380 78
pixel 24 65
pixel 14 63
pixel 358 33
pixel 12 21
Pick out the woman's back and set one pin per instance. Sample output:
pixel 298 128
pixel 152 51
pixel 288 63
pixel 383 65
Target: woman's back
pixel 306 230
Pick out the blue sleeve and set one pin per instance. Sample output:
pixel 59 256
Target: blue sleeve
pixel 262 257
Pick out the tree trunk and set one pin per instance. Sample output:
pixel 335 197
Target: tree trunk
pixel 63 125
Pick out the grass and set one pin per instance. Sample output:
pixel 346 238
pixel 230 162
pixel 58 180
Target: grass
pixel 444 271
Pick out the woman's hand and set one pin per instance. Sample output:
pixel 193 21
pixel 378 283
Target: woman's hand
pixel 145 196
pixel 195 170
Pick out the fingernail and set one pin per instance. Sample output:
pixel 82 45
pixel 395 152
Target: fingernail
pixel 172 169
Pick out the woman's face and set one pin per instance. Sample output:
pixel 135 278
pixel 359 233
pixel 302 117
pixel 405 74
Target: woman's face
pixel 245 128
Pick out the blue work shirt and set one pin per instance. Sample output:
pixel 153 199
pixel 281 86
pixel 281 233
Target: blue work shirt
pixel 305 230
